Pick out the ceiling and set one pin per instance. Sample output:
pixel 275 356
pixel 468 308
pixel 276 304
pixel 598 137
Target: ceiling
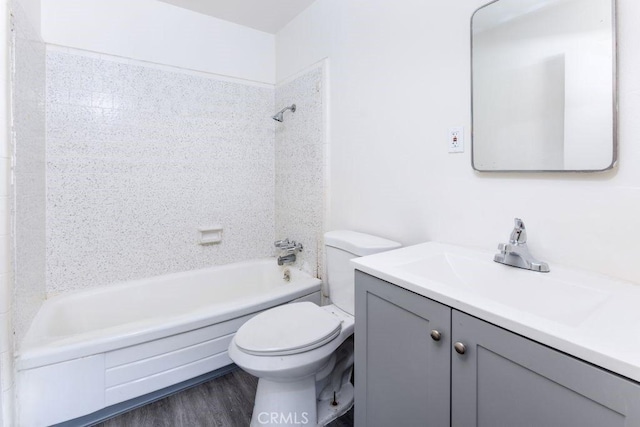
pixel 264 15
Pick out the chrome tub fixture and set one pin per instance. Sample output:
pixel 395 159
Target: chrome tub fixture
pixel 288 249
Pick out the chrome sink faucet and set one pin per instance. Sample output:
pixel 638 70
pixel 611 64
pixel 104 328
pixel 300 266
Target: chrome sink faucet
pixel 288 249
pixel 516 253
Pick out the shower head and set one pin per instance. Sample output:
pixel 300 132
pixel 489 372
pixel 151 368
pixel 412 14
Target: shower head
pixel 279 116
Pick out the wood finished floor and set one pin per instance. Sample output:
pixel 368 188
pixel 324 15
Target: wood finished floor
pixel 223 402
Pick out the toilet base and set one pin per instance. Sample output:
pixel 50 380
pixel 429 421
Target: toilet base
pixel 314 400
pixel 298 390
pixel 295 404
pixel 328 412
pixel 285 403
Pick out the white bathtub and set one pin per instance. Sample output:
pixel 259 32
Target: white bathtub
pixel 91 349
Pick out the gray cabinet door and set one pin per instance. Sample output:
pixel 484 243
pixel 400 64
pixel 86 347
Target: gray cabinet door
pixel 505 380
pixel 402 375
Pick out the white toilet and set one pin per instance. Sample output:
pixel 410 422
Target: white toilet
pixel 303 353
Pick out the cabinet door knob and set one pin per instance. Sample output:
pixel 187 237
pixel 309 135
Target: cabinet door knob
pixel 460 348
pixel 436 335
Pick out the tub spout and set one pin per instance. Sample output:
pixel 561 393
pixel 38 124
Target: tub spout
pixel 286 259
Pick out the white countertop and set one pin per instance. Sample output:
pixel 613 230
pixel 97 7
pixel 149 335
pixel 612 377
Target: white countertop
pixel 590 316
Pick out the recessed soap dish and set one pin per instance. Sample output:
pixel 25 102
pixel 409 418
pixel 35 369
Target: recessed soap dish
pixel 210 235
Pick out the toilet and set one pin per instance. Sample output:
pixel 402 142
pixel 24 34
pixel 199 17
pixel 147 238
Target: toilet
pixel 303 353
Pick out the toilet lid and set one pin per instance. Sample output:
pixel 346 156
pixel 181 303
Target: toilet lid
pixel 287 329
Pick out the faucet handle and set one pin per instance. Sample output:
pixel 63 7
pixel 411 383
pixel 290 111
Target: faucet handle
pixel 540 266
pixel 519 233
pixel 292 248
pixel 289 246
pixel 282 243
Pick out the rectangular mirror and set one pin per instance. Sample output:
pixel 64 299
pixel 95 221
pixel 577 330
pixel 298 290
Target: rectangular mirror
pixel 543 86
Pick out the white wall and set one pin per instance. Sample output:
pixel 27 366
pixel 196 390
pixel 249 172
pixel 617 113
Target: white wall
pixel 399 79
pixel 154 31
pixel 32 9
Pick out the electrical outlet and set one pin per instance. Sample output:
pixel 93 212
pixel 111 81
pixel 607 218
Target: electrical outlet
pixel 456 139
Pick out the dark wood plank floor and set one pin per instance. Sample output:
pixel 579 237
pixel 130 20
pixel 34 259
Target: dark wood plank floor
pixel 225 402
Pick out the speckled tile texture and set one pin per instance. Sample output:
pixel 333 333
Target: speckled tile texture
pixel 139 157
pixel 28 210
pixel 300 148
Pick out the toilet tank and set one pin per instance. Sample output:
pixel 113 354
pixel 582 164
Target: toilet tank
pixel 342 246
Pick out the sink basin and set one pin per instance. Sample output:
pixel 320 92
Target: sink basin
pixel 535 293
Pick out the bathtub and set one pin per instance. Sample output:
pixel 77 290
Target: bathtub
pixel 91 349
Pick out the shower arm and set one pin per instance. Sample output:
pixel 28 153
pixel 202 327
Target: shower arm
pixel 292 107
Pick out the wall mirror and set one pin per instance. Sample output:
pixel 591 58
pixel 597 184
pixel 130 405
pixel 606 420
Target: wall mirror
pixel 544 86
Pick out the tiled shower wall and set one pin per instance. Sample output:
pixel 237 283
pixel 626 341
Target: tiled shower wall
pixel 28 110
pixel 140 156
pixel 300 165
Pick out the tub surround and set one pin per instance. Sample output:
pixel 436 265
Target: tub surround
pixel 22 196
pixel 29 199
pixel 300 148
pixel 119 342
pixel 140 156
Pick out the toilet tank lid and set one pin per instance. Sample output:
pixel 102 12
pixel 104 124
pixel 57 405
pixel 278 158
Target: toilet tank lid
pixel 359 244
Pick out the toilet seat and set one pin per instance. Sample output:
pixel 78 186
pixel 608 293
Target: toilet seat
pixel 288 329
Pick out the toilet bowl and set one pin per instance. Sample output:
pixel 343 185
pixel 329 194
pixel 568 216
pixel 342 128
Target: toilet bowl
pixel 293 372
pixel 303 353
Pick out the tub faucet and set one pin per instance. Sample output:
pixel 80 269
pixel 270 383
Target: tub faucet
pixel 286 259
pixel 516 252
pixel 288 249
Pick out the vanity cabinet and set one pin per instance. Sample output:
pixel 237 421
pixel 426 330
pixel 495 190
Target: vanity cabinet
pixel 469 372
pixel 401 372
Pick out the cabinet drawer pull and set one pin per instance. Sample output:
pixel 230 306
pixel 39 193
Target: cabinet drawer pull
pixel 460 348
pixel 436 335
